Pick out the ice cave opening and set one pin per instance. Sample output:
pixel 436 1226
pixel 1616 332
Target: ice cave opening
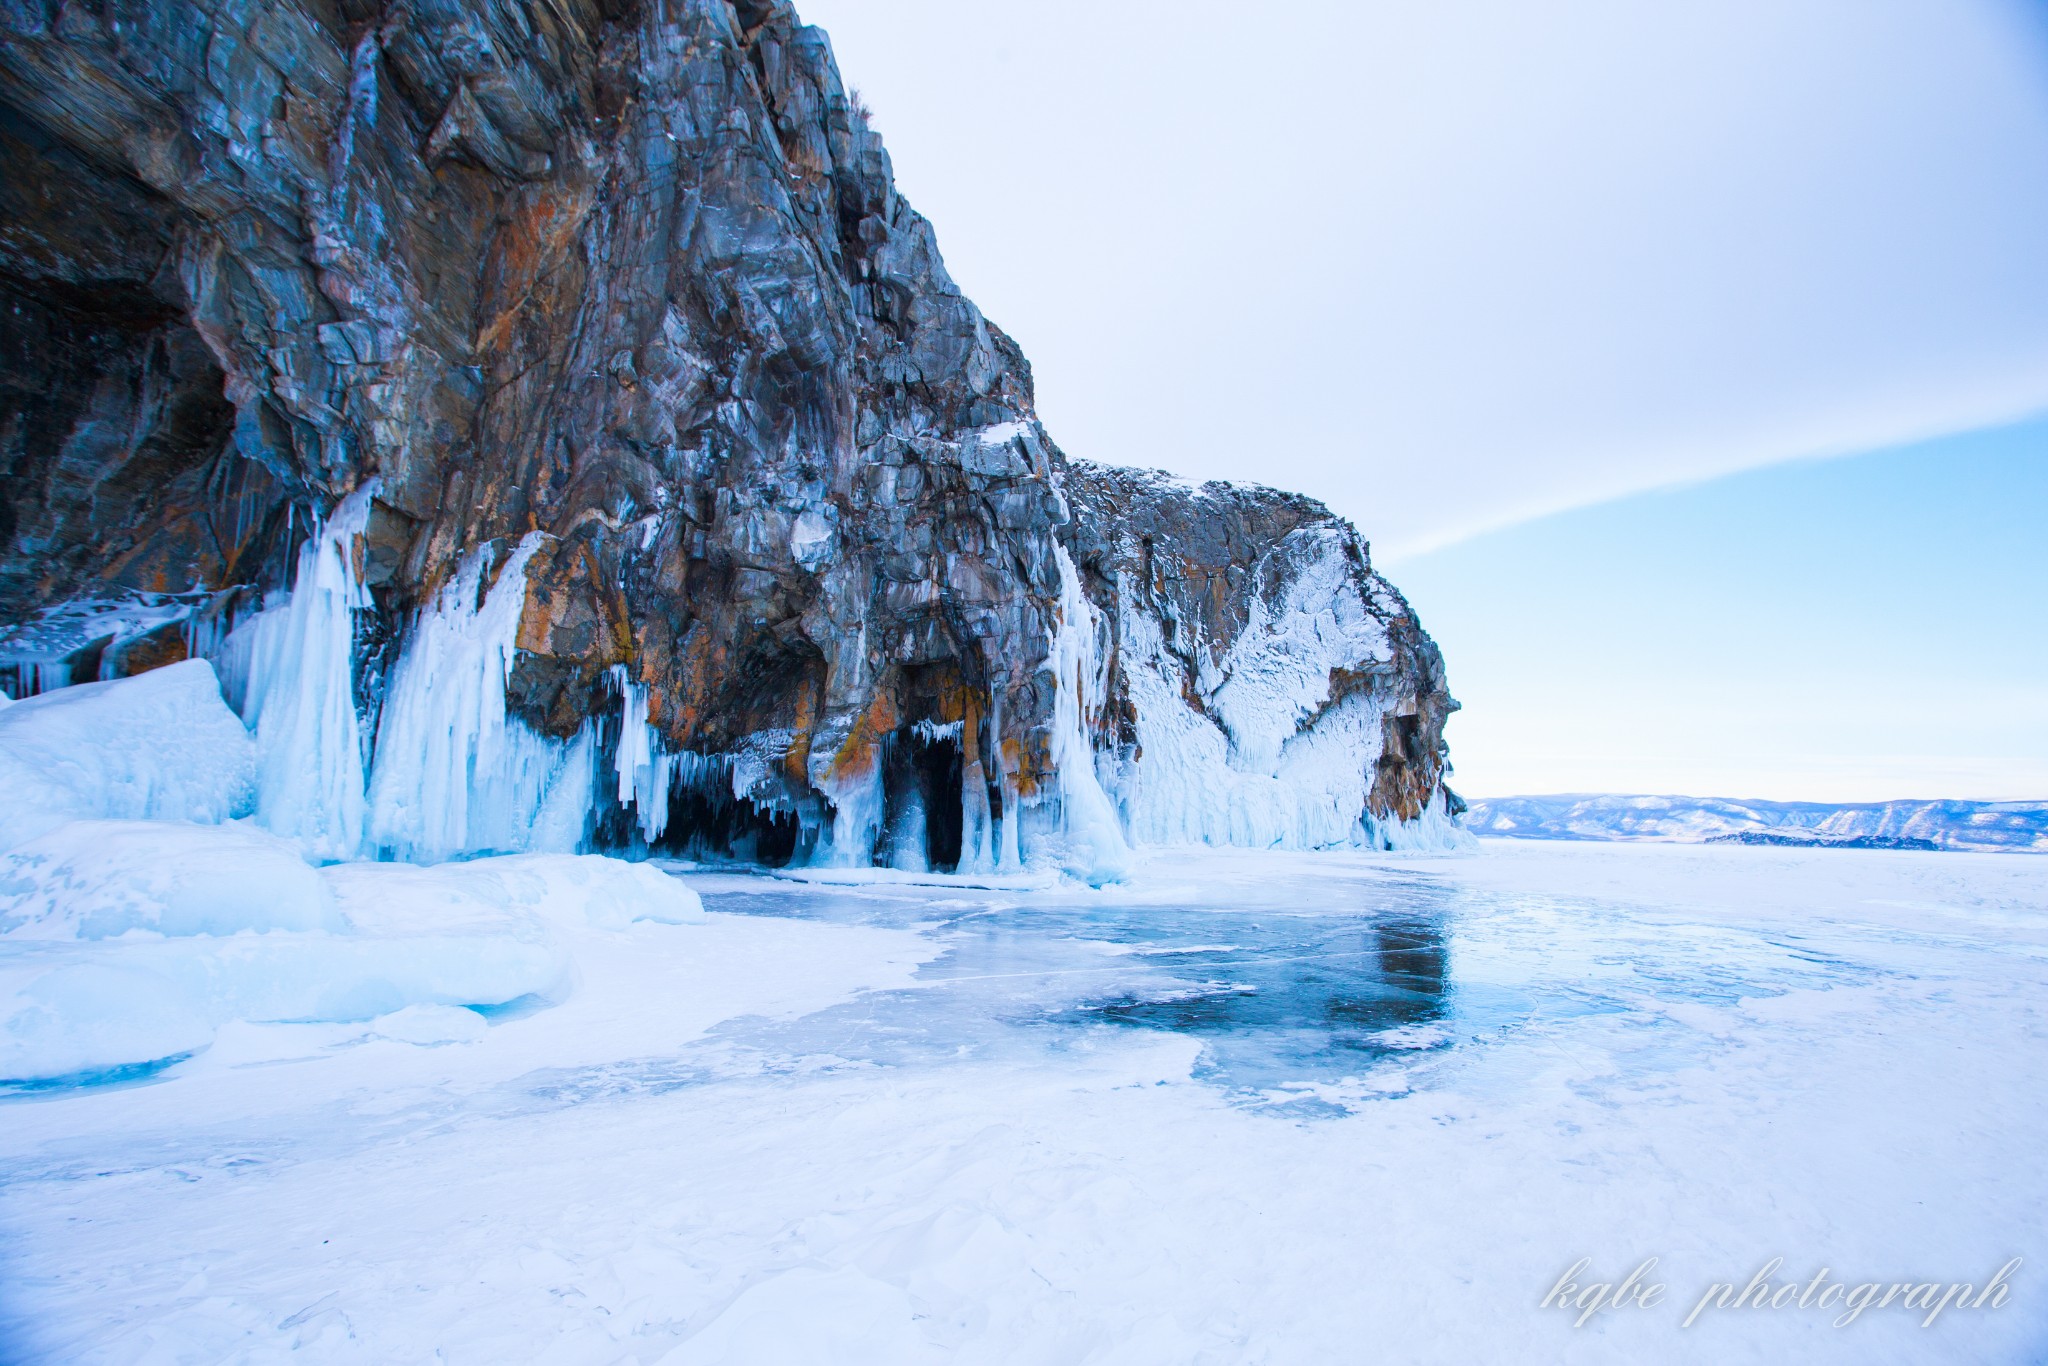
pixel 687 806
pixel 923 819
pixel 707 823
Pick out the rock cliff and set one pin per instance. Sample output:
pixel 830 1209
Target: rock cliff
pixel 555 427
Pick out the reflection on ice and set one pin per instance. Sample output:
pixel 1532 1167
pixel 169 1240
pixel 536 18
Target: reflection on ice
pixel 1298 989
pixel 1318 997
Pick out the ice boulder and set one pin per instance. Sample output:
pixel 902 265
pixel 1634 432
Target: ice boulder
pixel 94 1020
pixel 105 879
pixel 565 891
pixel 124 946
pixel 158 746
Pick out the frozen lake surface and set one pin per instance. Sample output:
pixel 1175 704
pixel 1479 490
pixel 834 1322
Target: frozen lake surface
pixel 1243 1108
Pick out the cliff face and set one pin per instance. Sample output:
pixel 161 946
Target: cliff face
pixel 602 327
pixel 1263 686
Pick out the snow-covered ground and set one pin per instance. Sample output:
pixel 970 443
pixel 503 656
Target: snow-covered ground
pixel 1245 1107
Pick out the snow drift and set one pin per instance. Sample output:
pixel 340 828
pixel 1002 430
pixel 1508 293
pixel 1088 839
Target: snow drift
pixel 126 945
pixel 160 746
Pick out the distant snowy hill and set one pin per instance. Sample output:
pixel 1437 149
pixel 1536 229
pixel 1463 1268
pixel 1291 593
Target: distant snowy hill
pixel 2010 826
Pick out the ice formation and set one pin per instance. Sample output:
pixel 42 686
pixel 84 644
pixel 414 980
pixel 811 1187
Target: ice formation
pixel 1254 746
pixel 290 672
pixel 644 768
pixel 858 805
pixel 134 942
pixel 648 775
pixel 85 640
pixel 1434 831
pixel 1095 848
pixel 159 746
pixel 907 835
pixel 1267 758
pixel 454 774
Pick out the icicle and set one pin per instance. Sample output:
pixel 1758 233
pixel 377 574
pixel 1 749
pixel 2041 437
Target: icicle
pixel 290 670
pixel 857 808
pixel 47 676
pixel 645 770
pixel 454 773
pixel 1096 850
pixel 907 835
pixel 1010 856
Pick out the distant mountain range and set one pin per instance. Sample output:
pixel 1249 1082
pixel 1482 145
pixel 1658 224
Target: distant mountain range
pixel 2007 826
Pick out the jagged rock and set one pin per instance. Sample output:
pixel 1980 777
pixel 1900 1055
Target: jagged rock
pixel 1263 684
pixel 634 278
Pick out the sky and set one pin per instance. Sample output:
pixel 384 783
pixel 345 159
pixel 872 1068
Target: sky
pixel 1459 268
pixel 1858 629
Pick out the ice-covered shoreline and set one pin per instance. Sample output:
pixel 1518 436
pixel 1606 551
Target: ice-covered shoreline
pixel 166 871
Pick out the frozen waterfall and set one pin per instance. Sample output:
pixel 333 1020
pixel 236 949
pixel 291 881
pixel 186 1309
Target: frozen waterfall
pixel 1095 846
pixel 454 773
pixel 290 671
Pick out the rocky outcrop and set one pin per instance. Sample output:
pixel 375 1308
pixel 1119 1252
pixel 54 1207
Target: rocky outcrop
pixel 620 296
pixel 1262 684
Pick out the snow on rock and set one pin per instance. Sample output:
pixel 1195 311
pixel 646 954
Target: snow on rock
pixel 159 746
pixel 1277 674
pixel 1267 688
pixel 92 638
pixel 1188 784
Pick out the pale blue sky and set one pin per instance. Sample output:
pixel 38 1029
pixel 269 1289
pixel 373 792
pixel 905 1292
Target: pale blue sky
pixel 1457 266
pixel 1837 630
